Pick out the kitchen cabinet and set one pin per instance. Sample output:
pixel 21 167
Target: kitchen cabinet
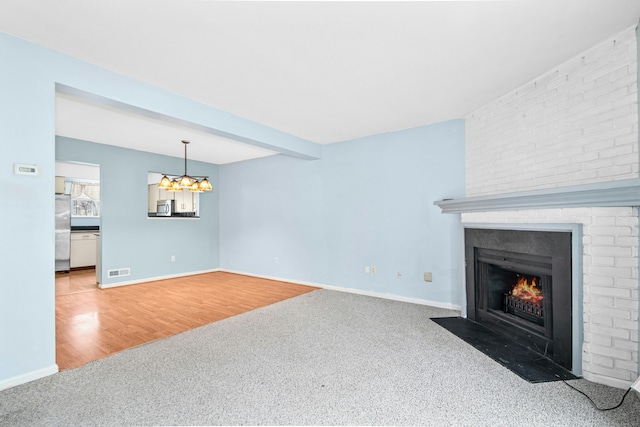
pixel 153 197
pixel 83 249
pixel 184 201
pixel 61 184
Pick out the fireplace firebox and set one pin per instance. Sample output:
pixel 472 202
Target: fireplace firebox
pixel 519 285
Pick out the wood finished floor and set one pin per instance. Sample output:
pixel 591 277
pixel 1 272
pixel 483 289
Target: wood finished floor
pixel 92 323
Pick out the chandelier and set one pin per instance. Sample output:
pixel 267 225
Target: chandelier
pixel 196 184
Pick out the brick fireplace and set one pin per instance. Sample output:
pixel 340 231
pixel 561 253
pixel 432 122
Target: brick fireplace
pixel 562 151
pixel 608 272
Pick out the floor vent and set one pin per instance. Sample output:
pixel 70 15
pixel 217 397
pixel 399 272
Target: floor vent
pixel 119 272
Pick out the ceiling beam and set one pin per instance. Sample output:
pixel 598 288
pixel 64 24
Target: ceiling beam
pixel 215 122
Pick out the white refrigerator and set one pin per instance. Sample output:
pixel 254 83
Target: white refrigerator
pixel 63 231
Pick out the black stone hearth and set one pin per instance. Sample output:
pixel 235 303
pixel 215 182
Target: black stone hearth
pixel 527 364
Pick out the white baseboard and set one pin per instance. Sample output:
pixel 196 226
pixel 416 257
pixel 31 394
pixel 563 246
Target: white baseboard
pixel 611 382
pixel 28 377
pixel 151 279
pixel 401 298
pixel 393 297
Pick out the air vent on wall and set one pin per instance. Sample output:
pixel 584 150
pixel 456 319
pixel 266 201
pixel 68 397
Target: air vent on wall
pixel 119 272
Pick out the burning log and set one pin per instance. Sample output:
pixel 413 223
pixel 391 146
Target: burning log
pixel 527 291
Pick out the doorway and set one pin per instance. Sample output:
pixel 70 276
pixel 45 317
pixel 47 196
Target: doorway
pixel 78 187
pixel 78 251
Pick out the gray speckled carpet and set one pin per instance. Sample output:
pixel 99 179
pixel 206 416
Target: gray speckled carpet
pixel 322 358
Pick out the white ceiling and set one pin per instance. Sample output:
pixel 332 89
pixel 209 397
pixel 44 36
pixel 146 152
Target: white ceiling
pixel 323 71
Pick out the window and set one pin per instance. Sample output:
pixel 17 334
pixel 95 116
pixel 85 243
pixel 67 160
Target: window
pixel 85 199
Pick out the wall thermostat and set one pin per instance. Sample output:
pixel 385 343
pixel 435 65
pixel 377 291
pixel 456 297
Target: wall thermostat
pixel 24 169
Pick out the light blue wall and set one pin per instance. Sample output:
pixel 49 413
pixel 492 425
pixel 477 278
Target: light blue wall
pixel 129 237
pixel 27 122
pixel 324 219
pixel 29 76
pixel 367 202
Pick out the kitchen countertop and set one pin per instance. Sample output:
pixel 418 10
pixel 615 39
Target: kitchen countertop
pixel 173 215
pixel 85 228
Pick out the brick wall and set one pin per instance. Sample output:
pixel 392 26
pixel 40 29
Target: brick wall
pixel 576 124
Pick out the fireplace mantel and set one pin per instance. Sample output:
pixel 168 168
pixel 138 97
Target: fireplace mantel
pixel 607 194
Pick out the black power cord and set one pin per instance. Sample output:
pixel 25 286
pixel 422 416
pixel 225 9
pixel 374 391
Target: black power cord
pixel 546 347
pixel 594 403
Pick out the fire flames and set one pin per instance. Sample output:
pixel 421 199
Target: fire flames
pixel 526 291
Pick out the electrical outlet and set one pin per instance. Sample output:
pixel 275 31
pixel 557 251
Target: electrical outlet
pixel 367 269
pixel 636 385
pixel 428 277
pixel 173 258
